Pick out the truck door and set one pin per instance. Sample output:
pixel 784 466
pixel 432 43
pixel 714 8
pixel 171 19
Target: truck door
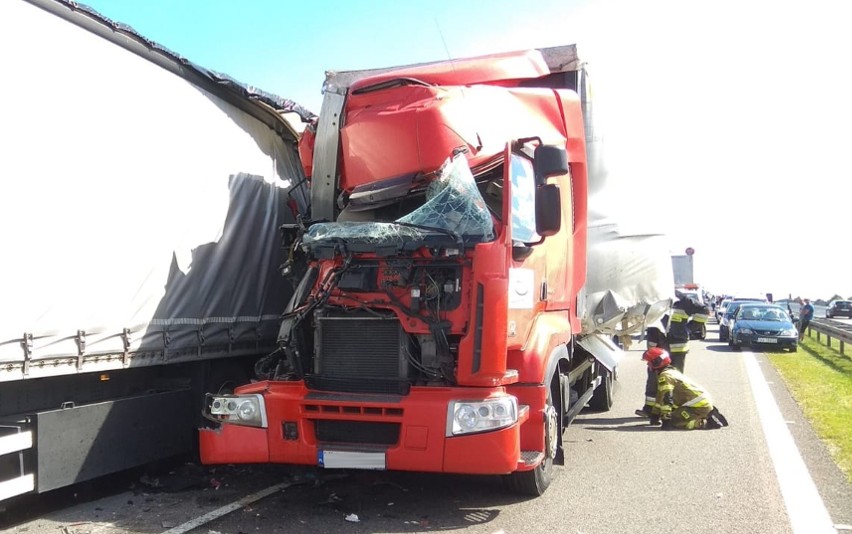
pixel 528 265
pixel 559 251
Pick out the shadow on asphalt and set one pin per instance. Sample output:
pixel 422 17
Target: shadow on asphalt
pixel 727 348
pixel 719 348
pixel 620 424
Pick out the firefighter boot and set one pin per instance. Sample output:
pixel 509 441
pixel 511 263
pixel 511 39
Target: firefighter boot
pixel 644 411
pixel 714 420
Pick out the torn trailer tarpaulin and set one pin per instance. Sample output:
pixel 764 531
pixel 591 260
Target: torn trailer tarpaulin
pixel 629 281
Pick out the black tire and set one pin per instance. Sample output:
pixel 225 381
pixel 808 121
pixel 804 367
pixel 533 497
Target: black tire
pixel 794 348
pixel 703 333
pixel 736 347
pixel 601 400
pixel 536 481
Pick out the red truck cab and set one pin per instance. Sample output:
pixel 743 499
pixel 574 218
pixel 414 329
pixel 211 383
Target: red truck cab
pixel 434 324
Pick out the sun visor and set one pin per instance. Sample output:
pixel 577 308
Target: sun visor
pixel 603 349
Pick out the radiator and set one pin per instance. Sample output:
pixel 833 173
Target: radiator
pixel 360 348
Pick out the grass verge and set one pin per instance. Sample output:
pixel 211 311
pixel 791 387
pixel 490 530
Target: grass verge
pixel 820 379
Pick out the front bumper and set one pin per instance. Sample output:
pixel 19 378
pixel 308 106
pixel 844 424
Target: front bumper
pixel 403 433
pixel 764 341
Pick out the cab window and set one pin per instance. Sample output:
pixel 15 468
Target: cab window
pixel 523 200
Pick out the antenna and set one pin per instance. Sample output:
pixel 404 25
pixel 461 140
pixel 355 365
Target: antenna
pixel 444 41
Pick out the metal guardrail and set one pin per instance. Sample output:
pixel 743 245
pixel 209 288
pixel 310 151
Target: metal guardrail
pixel 842 332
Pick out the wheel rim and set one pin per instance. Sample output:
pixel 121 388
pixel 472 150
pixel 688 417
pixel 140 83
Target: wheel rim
pixel 551 426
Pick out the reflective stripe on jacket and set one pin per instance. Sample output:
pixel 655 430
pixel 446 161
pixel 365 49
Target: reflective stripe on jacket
pixel 675 390
pixel 700 317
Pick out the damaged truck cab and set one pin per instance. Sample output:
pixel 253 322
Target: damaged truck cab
pixel 436 323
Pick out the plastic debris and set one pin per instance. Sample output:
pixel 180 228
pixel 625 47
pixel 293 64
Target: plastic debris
pixel 352 518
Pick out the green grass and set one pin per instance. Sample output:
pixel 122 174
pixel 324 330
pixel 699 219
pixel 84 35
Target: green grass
pixel 820 379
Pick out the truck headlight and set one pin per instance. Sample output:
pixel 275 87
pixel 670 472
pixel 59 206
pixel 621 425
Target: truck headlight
pixel 468 417
pixel 790 332
pixel 247 410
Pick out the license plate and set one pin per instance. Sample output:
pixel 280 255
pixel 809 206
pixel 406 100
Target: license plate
pixel 767 340
pixel 351 460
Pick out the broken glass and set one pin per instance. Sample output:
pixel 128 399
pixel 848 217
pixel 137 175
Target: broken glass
pixel 453 205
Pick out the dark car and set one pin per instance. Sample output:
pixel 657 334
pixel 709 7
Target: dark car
pixel 728 318
pixel 839 307
pixel 763 325
pixel 720 309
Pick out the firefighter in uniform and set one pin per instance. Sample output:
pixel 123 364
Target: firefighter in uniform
pixel 680 402
pixel 655 336
pixel 683 309
pixel 698 321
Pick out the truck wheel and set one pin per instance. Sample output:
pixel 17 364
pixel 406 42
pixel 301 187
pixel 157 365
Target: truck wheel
pixel 536 481
pixel 703 332
pixel 601 400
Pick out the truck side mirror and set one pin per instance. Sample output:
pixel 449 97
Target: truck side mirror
pixel 548 210
pixel 549 161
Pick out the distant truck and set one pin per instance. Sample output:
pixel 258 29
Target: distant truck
pixel 682 268
pixel 456 300
pixel 141 206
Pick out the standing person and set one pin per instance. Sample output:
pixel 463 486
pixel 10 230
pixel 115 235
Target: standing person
pixel 806 315
pixel 680 402
pixel 697 324
pixel 683 309
pixel 655 336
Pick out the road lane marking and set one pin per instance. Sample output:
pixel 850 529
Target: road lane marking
pixel 805 508
pixel 227 509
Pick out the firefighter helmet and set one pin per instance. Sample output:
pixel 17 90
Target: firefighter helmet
pixel 657 358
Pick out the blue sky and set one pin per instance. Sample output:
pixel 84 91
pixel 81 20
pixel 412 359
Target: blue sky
pixel 726 122
pixel 285 47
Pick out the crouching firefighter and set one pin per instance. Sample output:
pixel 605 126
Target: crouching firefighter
pixel 680 403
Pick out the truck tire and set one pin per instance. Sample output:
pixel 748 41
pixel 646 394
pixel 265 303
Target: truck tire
pixel 601 400
pixel 536 481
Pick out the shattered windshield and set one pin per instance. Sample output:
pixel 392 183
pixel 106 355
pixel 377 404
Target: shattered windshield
pixel 453 207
